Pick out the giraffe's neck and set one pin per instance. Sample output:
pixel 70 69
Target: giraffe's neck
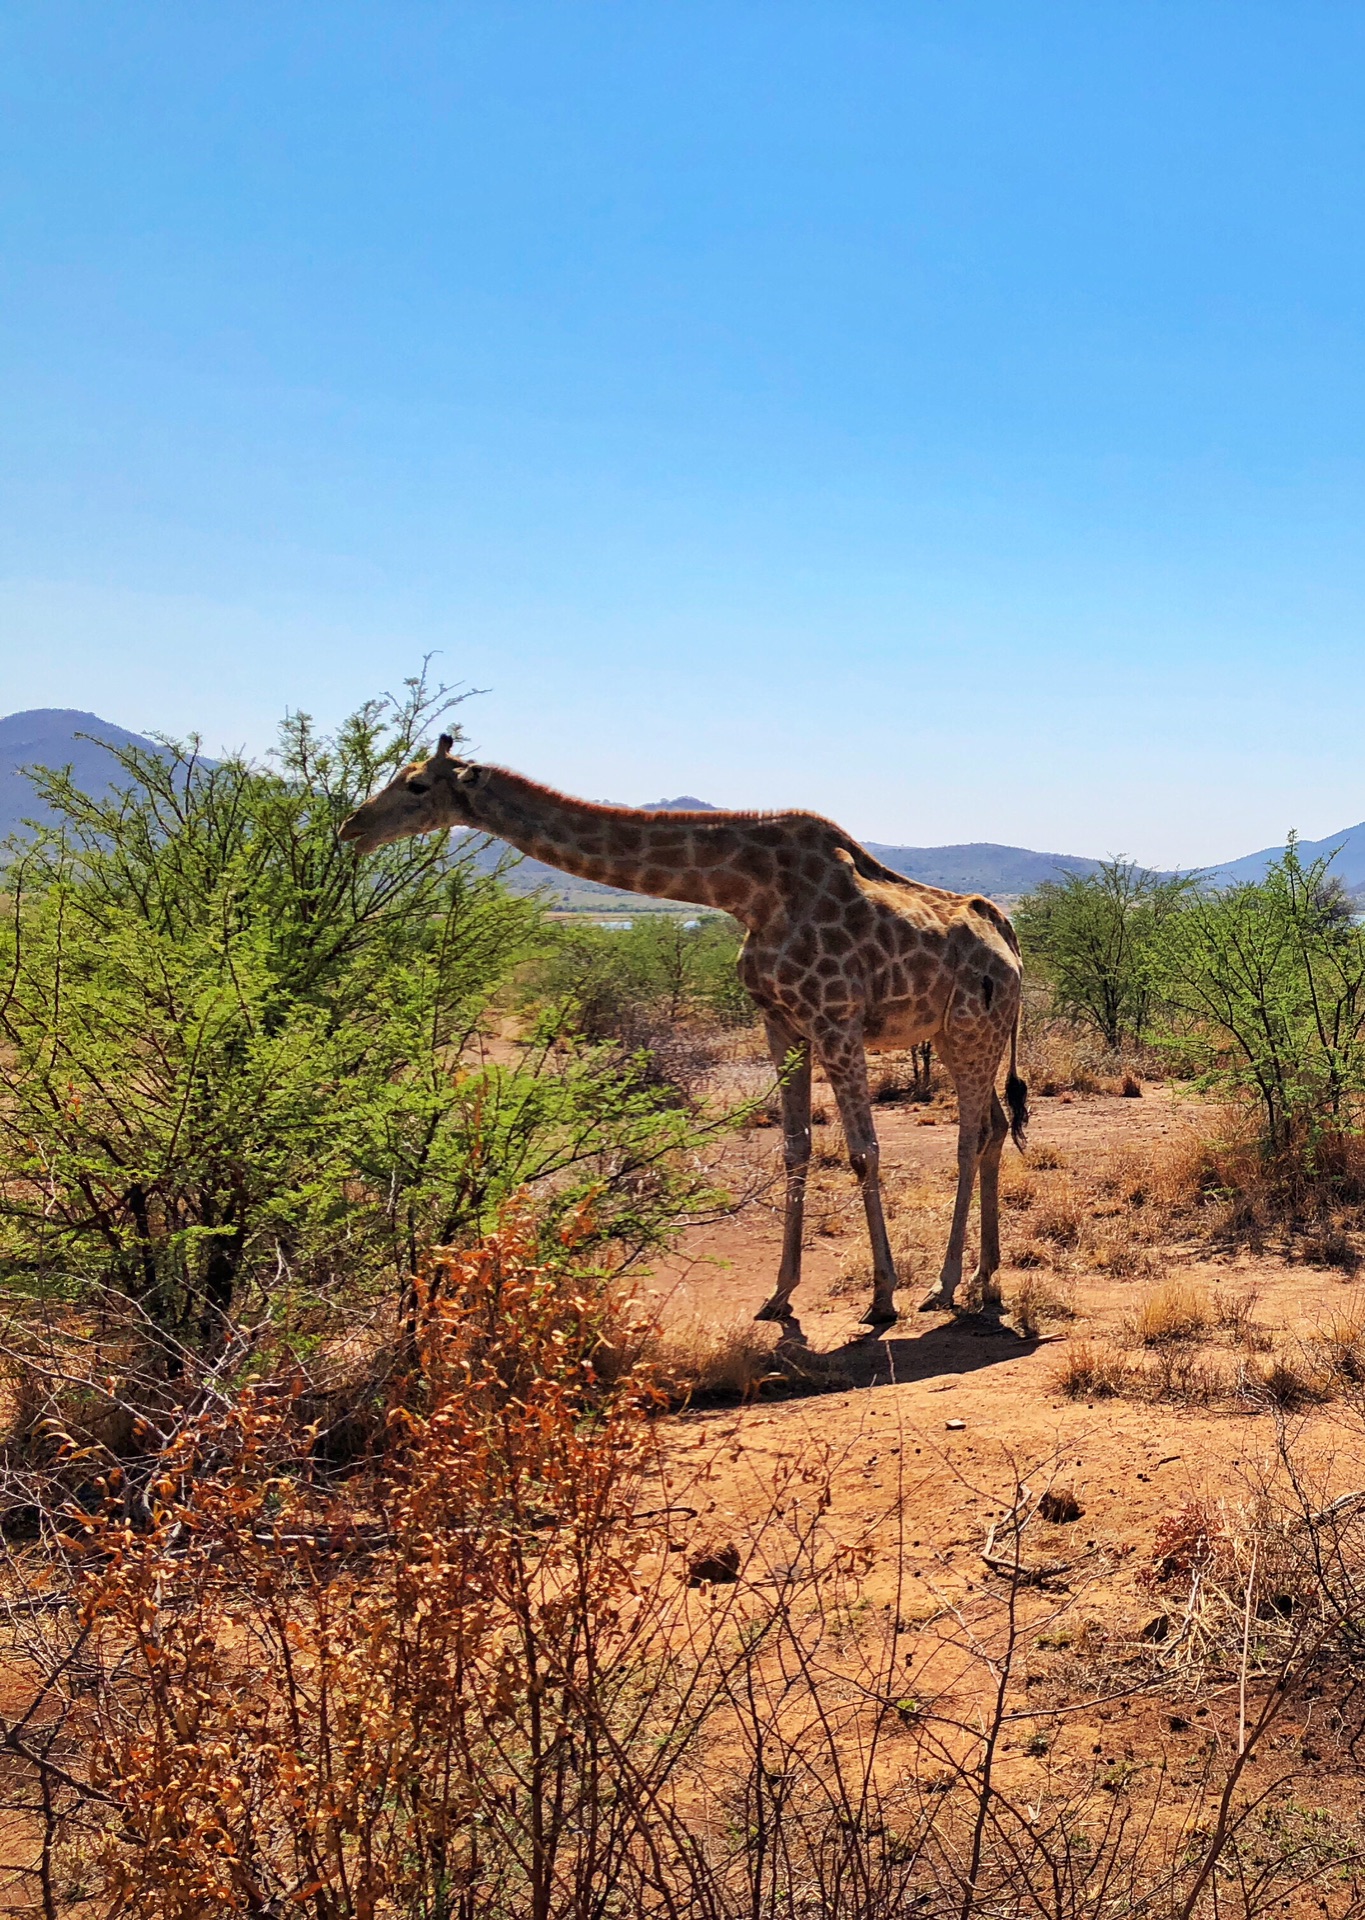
pixel 698 857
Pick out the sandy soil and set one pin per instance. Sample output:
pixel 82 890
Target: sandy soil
pixel 940 1419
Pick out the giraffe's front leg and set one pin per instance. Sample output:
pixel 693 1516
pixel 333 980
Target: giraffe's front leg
pixel 842 1055
pixel 791 1056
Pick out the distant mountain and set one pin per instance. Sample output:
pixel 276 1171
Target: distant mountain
pixel 1348 867
pixel 980 866
pixel 47 737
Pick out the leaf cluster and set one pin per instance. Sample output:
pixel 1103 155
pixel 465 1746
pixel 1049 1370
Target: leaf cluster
pixel 1265 990
pixel 661 968
pixel 1094 938
pixel 236 1062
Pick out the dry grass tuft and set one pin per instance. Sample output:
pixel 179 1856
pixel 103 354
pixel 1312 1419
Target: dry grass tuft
pixel 1091 1371
pixel 1234 1314
pixel 1033 1255
pixel 1094 1370
pixel 1182 1310
pixel 1179 1379
pixel 857 1275
pixel 1330 1246
pixel 831 1149
pixel 1018 1187
pixel 1059 1057
pixel 1114 1250
pixel 1286 1384
pixel 1242 1195
pixel 701 1357
pixel 1176 1310
pixel 1057 1217
pixel 1034 1305
pixel 1221 1180
pixel 1339 1349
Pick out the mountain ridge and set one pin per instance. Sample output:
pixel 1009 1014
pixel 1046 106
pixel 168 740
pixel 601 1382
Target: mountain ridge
pixel 1349 865
pixel 51 736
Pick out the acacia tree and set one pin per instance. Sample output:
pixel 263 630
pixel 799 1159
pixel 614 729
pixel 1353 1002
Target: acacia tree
pixel 1094 935
pixel 1265 984
pixel 236 1060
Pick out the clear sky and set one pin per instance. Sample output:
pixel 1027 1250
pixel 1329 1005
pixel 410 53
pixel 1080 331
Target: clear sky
pixel 948 416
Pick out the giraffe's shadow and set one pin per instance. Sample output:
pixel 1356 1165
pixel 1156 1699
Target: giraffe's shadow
pixel 964 1344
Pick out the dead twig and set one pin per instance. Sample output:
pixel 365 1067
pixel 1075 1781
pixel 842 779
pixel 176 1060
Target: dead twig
pixel 1012 1567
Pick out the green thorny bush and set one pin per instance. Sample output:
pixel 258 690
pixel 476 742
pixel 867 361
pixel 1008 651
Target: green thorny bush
pixel 667 966
pixel 662 991
pixel 1255 994
pixel 1093 937
pixel 237 1063
pixel 1263 989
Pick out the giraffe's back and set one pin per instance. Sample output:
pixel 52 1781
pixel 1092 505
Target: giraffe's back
pixel 911 962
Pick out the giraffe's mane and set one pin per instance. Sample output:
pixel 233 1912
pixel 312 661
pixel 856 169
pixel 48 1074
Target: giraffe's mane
pixel 685 816
pixel 866 864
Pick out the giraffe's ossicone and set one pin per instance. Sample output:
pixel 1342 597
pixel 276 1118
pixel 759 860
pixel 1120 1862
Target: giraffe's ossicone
pixel 841 955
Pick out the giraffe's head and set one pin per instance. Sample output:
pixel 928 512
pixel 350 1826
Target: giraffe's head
pixel 426 797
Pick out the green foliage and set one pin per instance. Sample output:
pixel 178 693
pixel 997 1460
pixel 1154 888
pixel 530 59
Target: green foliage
pixel 233 1054
pixel 661 966
pixel 1094 938
pixel 1265 986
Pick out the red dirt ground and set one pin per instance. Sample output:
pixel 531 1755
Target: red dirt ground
pixel 941 1418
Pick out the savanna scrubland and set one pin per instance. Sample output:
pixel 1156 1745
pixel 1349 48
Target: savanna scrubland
pixel 403 1515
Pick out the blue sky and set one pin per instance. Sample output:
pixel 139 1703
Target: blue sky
pixel 947 416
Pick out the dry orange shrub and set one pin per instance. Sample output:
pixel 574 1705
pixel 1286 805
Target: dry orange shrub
pixel 474 1681
pixel 330 1704
pixel 477 1681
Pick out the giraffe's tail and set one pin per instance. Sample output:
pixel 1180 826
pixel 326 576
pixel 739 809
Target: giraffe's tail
pixel 1016 1090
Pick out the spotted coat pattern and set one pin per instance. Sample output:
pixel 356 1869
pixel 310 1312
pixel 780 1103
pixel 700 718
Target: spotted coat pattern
pixel 842 956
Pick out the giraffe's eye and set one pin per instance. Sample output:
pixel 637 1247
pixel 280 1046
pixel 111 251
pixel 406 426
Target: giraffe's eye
pixel 417 786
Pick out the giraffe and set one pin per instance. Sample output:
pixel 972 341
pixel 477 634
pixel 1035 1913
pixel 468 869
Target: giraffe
pixel 841 954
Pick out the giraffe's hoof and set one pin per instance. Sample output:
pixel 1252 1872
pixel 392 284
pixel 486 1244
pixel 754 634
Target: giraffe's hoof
pixel 775 1310
pixel 935 1303
pixel 879 1317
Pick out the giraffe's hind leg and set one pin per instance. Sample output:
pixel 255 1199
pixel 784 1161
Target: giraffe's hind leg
pixel 971 1135
pixel 842 1056
pixel 985 1286
pixel 973 1058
